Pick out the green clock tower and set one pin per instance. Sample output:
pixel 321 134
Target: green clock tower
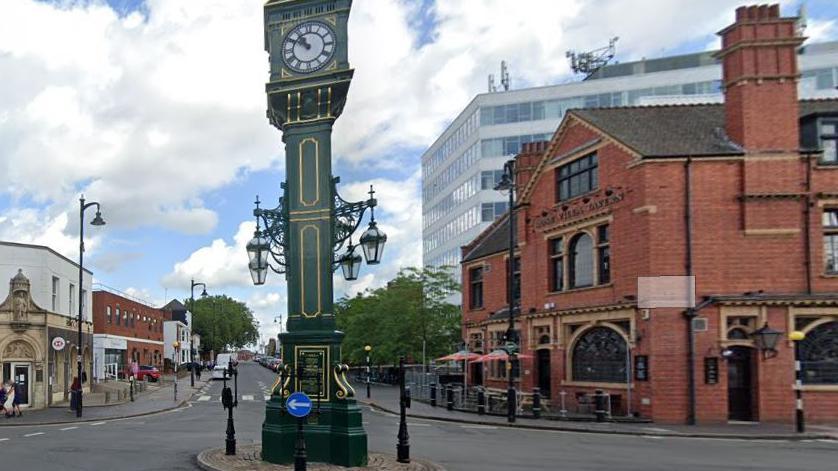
pixel 309 80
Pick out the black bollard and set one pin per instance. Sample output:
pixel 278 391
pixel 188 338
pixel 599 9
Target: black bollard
pixel 481 402
pixel 536 403
pixel 403 446
pixel 449 397
pixel 433 394
pixel 599 405
pixel 228 403
pixel 300 448
pixel 131 388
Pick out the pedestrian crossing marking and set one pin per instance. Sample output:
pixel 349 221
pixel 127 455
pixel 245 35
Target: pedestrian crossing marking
pixel 204 398
pixel 33 434
pixel 247 398
pixel 267 397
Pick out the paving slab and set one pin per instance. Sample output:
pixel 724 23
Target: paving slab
pixel 249 457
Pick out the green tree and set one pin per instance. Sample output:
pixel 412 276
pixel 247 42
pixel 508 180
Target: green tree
pixel 223 323
pixel 398 318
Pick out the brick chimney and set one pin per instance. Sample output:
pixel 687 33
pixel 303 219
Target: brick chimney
pixel 759 75
pixel 527 160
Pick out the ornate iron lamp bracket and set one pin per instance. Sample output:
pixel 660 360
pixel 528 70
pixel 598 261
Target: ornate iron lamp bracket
pixel 275 223
pixel 346 218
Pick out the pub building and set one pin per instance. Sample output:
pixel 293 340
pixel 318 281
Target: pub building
pixel 740 196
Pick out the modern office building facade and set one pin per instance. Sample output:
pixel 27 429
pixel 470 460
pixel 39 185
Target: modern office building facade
pixel 460 169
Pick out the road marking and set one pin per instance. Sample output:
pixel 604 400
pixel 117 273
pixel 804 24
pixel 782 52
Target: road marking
pixel 97 423
pixel 68 428
pixel 487 427
pixel 204 398
pixel 3 439
pixel 247 397
pixel 652 437
pixel 414 424
pixel 827 440
pixel 33 434
pixel 267 397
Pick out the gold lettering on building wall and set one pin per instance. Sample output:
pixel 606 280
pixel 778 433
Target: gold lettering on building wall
pixel 558 216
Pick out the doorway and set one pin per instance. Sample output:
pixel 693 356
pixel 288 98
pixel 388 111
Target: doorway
pixel 477 374
pixel 739 384
pixel 21 373
pixel 543 362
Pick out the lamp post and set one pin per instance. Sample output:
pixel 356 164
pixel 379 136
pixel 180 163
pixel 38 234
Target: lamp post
pixel 507 183
pixel 97 221
pixel 368 349
pixel 192 326
pixel 799 419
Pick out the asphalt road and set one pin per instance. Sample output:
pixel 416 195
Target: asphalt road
pixel 170 441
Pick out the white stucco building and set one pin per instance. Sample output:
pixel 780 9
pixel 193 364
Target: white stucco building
pixel 39 322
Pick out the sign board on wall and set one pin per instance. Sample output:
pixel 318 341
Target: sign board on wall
pixel 58 344
pixel 665 291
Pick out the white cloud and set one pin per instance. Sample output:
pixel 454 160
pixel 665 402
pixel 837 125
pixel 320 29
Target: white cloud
pixel 218 265
pixel 156 112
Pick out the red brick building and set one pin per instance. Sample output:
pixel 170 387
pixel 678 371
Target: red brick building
pixel 742 196
pixel 125 329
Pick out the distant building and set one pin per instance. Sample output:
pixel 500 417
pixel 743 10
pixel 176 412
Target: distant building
pixel 728 212
pixel 461 168
pixel 126 329
pixel 177 328
pixel 39 322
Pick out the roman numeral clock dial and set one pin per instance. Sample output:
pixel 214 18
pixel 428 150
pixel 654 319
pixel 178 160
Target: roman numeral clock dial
pixel 308 47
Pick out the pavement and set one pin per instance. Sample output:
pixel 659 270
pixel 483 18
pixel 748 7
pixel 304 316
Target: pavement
pixel 173 438
pixel 155 399
pixel 386 398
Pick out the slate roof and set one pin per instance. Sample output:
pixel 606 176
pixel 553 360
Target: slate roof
pixel 495 239
pixel 174 306
pixel 677 130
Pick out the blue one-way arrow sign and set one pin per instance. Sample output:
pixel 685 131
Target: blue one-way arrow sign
pixel 298 404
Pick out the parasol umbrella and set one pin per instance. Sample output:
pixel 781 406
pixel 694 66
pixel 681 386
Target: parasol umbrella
pixel 462 355
pixel 500 355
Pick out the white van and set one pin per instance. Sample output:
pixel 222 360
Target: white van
pixel 222 361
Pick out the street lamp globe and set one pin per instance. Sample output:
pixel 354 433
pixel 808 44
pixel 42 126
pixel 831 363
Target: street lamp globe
pixel 372 241
pixel 257 251
pixel 350 263
pixel 367 348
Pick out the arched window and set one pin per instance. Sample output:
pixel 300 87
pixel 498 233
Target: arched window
pixel 819 354
pixel 581 261
pixel 109 314
pixel 600 356
pixel 118 316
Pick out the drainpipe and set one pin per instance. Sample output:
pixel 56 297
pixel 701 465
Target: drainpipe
pixel 691 312
pixel 807 215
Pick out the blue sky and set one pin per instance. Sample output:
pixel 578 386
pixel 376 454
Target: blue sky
pixel 155 108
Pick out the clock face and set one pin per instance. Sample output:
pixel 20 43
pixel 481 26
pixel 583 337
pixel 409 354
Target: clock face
pixel 308 47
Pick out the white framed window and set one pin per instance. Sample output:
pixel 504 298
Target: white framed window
pixel 55 287
pixel 72 297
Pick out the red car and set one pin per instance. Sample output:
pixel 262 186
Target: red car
pixel 148 373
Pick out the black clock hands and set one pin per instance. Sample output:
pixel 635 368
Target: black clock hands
pixel 305 43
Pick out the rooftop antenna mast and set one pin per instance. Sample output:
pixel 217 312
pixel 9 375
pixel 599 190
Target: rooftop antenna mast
pixel 589 62
pixel 504 79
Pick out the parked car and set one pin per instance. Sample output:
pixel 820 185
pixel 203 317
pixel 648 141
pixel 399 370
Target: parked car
pixel 148 373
